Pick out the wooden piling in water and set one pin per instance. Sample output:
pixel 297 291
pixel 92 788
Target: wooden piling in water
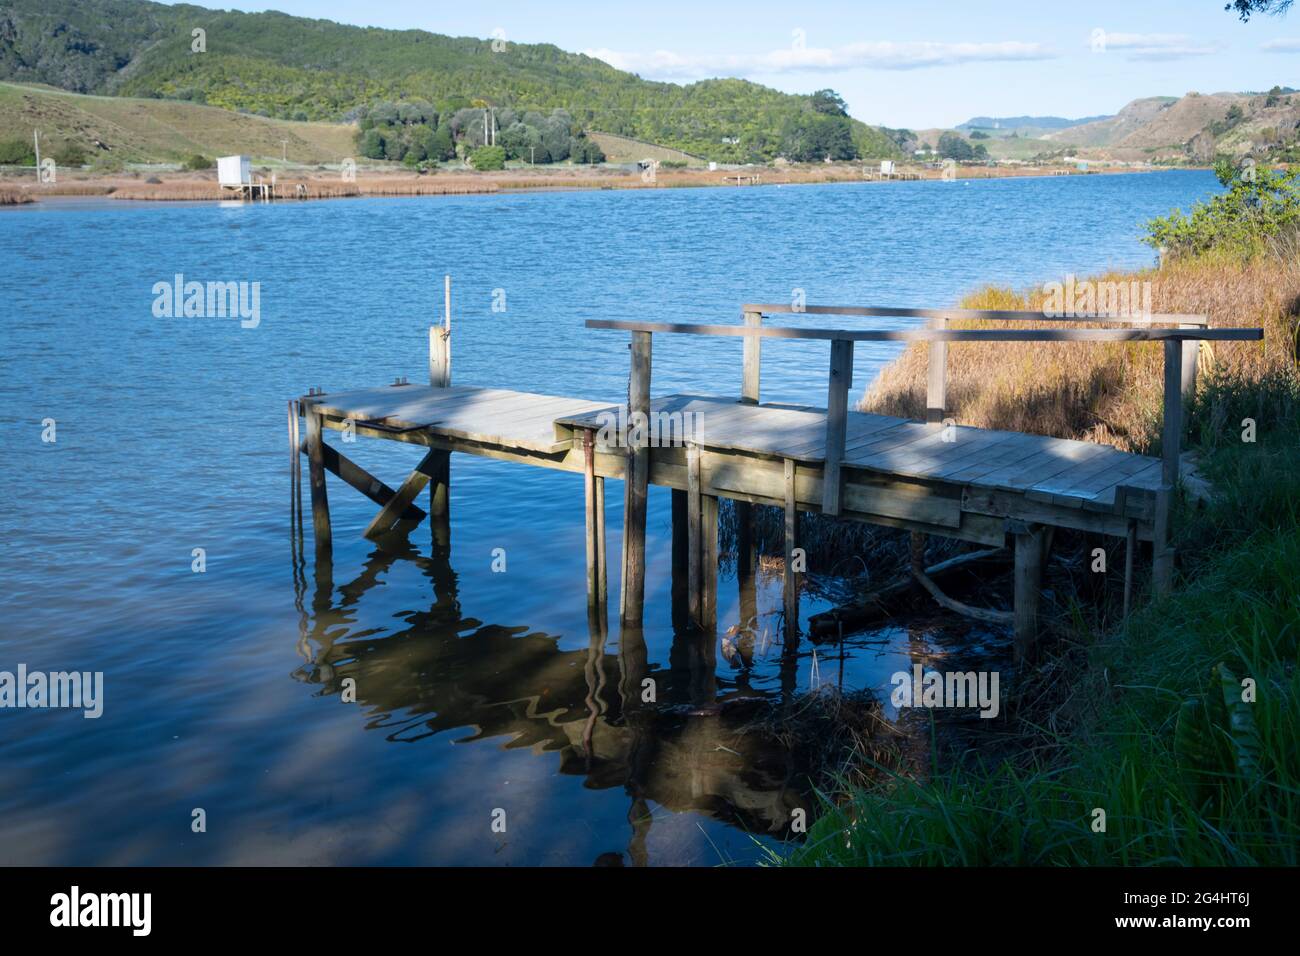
pixel 1028 581
pixel 790 582
pixel 837 411
pixel 320 508
pixel 638 479
pixel 594 487
pixel 680 559
pixel 694 550
pixel 709 563
pixel 440 377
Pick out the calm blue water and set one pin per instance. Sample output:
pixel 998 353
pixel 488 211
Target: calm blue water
pixel 476 689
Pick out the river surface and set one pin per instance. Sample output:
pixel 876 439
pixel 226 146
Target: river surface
pixel 481 697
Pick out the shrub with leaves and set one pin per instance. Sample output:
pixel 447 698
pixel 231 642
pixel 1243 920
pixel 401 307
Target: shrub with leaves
pixel 1261 206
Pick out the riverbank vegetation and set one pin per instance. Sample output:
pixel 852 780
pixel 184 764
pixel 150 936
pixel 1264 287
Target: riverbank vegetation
pixel 1168 739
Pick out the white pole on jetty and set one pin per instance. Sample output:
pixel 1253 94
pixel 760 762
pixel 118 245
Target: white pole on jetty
pixel 440 377
pixel 440 343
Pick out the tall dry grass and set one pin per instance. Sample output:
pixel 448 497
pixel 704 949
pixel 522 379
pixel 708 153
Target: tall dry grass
pixel 13 196
pixel 1107 392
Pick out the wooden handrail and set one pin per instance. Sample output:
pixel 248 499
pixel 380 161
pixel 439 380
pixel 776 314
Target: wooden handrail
pixel 991 315
pixel 841 376
pixel 933 335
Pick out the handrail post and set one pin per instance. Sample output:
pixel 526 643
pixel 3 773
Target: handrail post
pixel 752 360
pixel 1191 353
pixel 837 415
pixel 936 390
pixel 1170 450
pixel 638 478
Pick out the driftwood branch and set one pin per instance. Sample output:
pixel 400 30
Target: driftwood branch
pixel 978 613
pixel 875 605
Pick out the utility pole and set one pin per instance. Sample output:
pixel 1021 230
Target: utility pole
pixel 532 155
pixel 284 143
pixel 37 136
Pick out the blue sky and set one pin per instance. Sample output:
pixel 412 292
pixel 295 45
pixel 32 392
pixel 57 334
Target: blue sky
pixel 914 63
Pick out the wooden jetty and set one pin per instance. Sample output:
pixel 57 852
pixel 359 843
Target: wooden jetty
pixel 931 478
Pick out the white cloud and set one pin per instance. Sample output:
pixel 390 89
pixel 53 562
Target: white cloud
pixel 1156 46
pixel 881 55
pixel 1285 45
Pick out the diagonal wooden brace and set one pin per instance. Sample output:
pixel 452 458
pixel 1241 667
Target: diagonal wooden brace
pixel 392 512
pixel 349 471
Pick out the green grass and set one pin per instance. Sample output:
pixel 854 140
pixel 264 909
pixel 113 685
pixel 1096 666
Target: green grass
pixel 150 130
pixel 1186 772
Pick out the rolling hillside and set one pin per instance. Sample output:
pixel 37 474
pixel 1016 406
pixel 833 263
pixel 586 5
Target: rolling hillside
pixel 293 68
pixel 1195 126
pixel 142 130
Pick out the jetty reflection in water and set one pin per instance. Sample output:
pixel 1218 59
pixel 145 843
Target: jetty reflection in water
pixel 684 747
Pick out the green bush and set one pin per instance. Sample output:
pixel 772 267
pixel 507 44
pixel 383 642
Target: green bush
pixel 69 154
pixel 198 161
pixel 1259 206
pixel 487 158
pixel 16 152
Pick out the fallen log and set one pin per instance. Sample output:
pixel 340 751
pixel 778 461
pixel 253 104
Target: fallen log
pixel 878 603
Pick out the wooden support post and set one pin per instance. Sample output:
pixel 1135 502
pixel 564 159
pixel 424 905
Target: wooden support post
pixel 695 550
pixel 837 418
pixel 916 549
pixel 392 512
pixel 440 487
pixel 709 563
pixel 1130 546
pixel 297 470
pixel 1191 353
pixel 680 558
pixel 936 388
pixel 595 497
pixel 790 582
pixel 752 361
pixel 638 478
pixel 749 395
pixel 363 481
pixel 320 506
pixel 1162 565
pixel 602 578
pixel 1028 581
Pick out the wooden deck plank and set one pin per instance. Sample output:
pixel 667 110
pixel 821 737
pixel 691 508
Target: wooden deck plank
pixel 1053 460
pixel 1116 470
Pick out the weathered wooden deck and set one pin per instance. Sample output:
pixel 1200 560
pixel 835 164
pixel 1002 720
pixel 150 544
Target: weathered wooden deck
pixel 937 477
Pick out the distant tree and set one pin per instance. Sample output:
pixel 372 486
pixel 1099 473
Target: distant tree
pixel 813 137
pixel 585 150
pixel 17 152
pixel 371 144
pixel 978 134
pixel 1244 8
pixel 395 148
pixel 521 141
pixel 488 158
pixel 829 103
pixel 438 144
pixel 952 146
pixel 198 161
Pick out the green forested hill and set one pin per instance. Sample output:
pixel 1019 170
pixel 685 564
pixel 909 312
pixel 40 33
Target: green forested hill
pixel 296 68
